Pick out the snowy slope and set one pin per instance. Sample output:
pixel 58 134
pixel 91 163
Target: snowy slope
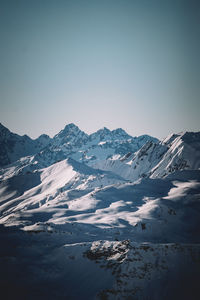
pixel 104 197
pixel 116 217
pixel 176 152
pixel 69 142
pixel 155 160
pixel 33 190
pixel 70 192
pixel 119 241
pixel 183 153
pixel 74 143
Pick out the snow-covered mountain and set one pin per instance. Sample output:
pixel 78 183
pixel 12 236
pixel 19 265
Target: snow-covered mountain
pixel 69 142
pixel 74 143
pixel 14 146
pixel 157 159
pixel 116 217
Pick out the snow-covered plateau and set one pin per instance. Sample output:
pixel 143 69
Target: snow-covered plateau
pixel 99 216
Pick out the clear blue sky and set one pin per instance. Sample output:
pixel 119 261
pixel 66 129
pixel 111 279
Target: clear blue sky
pixel 130 64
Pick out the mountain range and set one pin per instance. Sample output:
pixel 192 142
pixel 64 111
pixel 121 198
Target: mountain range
pixel 69 142
pixel 116 216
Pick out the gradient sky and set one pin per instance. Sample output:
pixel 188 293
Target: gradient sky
pixel 130 64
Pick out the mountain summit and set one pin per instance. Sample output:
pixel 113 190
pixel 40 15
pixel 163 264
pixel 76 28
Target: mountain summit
pixel 69 142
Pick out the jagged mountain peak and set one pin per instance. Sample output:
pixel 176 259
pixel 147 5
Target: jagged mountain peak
pixel 43 136
pixel 71 136
pixel 71 126
pixel 120 132
pixel 100 134
pixel 184 136
pixel 107 134
pixel 103 130
pixel 69 129
pixel 14 146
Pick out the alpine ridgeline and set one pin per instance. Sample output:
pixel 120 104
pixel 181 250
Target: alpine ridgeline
pixel 123 213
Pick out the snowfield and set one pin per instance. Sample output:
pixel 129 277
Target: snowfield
pixel 105 216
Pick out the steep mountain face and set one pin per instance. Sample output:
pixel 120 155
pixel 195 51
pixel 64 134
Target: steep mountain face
pixel 105 144
pixel 176 152
pixel 183 153
pixel 129 157
pixel 14 146
pixel 74 143
pixel 71 136
pixel 155 160
pixel 69 142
